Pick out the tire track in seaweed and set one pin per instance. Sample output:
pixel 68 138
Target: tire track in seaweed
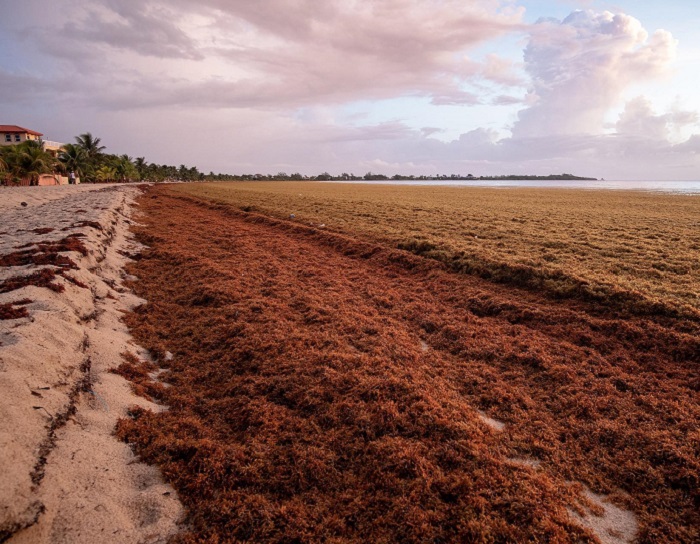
pixel 324 388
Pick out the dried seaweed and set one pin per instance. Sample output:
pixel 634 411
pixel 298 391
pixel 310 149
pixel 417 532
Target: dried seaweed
pixel 92 224
pixel 634 252
pixel 139 373
pixel 44 254
pixel 42 278
pixel 9 311
pixel 327 389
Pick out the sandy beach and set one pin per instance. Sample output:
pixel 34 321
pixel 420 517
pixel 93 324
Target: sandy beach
pixel 326 382
pixel 417 272
pixel 66 478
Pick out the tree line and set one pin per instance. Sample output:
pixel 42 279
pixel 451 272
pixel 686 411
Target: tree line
pixel 369 176
pixel 87 159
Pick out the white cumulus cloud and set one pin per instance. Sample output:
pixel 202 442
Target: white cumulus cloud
pixel 581 66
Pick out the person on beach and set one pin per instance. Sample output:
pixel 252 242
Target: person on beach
pixel 71 178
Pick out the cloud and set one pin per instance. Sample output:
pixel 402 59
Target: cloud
pixel 506 100
pixel 455 97
pixel 392 130
pixel 274 54
pixel 502 71
pixel 21 88
pixel 580 66
pixel 690 146
pixel 429 131
pixel 639 120
pixel 140 28
pixel 400 32
pixel 280 85
pixel 340 50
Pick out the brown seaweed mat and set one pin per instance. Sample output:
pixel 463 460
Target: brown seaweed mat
pixel 324 389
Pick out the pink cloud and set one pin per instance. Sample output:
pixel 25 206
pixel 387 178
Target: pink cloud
pixel 279 54
pixel 580 66
pixel 506 100
pixel 337 49
pixel 246 73
pixel 500 70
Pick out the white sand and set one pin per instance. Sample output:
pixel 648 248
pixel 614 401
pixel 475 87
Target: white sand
pixel 492 423
pixel 528 462
pixel 610 524
pixel 613 526
pixel 12 197
pixel 90 487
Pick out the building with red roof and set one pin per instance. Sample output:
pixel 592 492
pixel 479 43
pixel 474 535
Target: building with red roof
pixel 15 135
pixel 12 135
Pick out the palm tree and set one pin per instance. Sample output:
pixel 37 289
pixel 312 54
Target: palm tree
pixel 90 144
pixel 74 159
pixel 36 162
pixel 141 166
pixel 124 168
pixel 3 168
pixel 154 172
pixel 105 173
pixel 28 160
pixel 93 151
pixel 12 158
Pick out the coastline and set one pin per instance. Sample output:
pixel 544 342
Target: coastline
pixel 261 321
pixel 321 380
pixel 66 477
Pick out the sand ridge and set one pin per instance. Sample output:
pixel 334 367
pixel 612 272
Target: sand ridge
pixel 65 477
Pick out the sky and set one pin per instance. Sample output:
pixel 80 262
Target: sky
pixel 425 87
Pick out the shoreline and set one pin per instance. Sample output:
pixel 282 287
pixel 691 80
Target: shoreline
pixel 316 374
pixel 303 350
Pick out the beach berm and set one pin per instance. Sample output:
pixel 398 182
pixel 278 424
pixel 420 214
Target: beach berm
pixel 65 478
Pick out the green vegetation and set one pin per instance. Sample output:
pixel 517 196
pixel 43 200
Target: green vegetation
pixel 370 176
pixel 25 161
pixel 88 160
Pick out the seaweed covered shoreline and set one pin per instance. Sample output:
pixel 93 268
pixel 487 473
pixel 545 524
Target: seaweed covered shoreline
pixel 323 388
pixel 636 253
